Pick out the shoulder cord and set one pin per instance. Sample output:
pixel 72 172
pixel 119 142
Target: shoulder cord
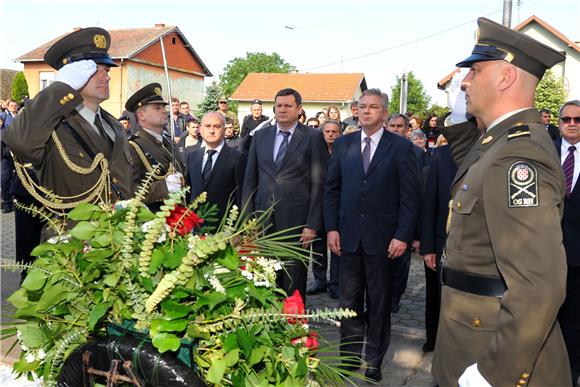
pixel 56 201
pixel 146 162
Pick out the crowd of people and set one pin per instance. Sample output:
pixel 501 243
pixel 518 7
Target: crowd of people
pixel 490 200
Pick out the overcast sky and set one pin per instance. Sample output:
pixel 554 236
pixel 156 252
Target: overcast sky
pixel 378 38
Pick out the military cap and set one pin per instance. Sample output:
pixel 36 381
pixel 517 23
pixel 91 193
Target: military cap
pixel 87 43
pixel 497 42
pixel 223 98
pixel 150 94
pixel 256 102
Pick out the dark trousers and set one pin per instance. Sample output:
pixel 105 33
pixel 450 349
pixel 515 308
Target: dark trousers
pixel 432 302
pixel 569 319
pixel 320 261
pixel 365 278
pixel 6 176
pixel 27 230
pixel 401 267
pixel 333 275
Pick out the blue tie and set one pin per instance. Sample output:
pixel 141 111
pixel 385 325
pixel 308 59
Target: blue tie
pixel 282 150
pixel 366 154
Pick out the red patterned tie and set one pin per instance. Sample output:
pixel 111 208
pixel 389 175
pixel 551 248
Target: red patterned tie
pixel 568 168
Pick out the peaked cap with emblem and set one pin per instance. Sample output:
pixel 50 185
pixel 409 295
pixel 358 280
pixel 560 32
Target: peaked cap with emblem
pixel 87 43
pixel 150 94
pixel 497 42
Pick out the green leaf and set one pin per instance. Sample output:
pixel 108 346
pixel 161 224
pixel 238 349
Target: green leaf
pixel 166 342
pixel 229 259
pixel 174 310
pixel 32 335
pixel 97 313
pixel 52 296
pixel 34 280
pixel 97 255
pixel 42 249
pixel 19 298
pixel 257 355
pixel 23 366
pixel 211 299
pixel 172 260
pixel 102 239
pixel 84 231
pixel 230 342
pixel 83 211
pixel 232 357
pixel 216 371
pixel 288 353
pixel 156 261
pixel 159 325
pixel 245 342
pixel 145 214
pixel 112 279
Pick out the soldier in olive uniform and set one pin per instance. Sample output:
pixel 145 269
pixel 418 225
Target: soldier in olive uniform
pixel 63 129
pixel 223 110
pixel 504 267
pixel 150 148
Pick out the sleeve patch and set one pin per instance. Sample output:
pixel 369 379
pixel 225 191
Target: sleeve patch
pixel 523 185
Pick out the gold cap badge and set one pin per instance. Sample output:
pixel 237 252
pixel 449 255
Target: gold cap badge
pixel 158 91
pixel 100 41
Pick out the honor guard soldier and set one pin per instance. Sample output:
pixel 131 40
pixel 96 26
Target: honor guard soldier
pixel 150 148
pixel 504 266
pixel 79 150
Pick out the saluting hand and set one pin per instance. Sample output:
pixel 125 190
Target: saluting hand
pixel 76 74
pixel 396 248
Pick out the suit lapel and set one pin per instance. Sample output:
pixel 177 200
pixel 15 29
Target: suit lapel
pixel 195 170
pixel 91 137
pixel 269 140
pixel 218 163
pixel 118 142
pixel 382 148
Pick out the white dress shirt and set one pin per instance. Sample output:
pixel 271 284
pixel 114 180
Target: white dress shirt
pixel 89 116
pixel 375 138
pixel 564 153
pixel 279 138
pixel 217 150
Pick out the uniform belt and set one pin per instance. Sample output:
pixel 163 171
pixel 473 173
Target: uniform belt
pixel 472 283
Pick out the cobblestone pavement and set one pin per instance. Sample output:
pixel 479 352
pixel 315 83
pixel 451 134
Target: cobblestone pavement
pixel 404 365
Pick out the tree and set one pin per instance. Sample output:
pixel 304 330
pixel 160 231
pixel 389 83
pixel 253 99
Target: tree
pixel 19 87
pixel 255 62
pixel 440 111
pixel 550 94
pixel 210 101
pixel 417 98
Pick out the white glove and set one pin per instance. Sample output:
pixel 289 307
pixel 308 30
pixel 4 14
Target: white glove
pixel 174 182
pixel 472 378
pixel 76 74
pixel 456 98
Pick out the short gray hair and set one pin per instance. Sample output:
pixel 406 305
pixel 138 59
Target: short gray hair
pixel 573 102
pixel 333 122
pixel 223 119
pixel 397 115
pixel 418 133
pixel 378 93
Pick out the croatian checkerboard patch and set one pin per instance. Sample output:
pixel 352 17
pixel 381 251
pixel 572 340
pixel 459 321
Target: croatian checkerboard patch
pixel 523 185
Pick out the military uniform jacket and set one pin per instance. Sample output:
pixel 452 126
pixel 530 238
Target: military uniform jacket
pixel 505 223
pixel 156 152
pixel 29 138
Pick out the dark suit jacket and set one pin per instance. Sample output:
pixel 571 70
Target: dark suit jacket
pixel 554 132
pixel 296 188
pixel 435 208
pixel 225 182
pixel 374 208
pixel 571 221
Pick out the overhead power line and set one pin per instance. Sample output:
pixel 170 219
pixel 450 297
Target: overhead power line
pixel 398 45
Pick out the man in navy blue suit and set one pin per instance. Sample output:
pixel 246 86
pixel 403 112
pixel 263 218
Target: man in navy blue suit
pixel 369 219
pixel 568 147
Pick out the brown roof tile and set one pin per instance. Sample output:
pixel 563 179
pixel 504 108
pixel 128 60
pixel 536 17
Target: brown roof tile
pixel 312 87
pixel 548 27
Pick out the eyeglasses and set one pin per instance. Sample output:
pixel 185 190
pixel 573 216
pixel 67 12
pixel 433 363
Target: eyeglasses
pixel 222 102
pixel 567 120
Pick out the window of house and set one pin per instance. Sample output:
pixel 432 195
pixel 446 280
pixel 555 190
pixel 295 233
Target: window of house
pixel 46 78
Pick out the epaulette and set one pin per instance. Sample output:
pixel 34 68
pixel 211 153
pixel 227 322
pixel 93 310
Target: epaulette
pixel 518 131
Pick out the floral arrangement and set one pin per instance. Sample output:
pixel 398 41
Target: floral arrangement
pixel 167 276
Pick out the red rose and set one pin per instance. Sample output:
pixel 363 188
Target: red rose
pixel 294 305
pixel 183 220
pixel 312 341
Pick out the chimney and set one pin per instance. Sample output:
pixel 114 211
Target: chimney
pixel 159 25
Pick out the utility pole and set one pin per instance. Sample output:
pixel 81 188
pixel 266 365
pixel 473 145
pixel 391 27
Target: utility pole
pixel 404 92
pixel 507 13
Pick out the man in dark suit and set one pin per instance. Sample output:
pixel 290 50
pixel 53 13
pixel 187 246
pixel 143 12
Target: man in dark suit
pixel 434 214
pixel 553 130
pixel 568 147
pixel 370 215
pixel 286 169
pixel 215 168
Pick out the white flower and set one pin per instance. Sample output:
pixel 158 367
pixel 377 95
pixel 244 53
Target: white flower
pixel 59 238
pixel 247 274
pixel 122 204
pixel 216 284
pixel 41 354
pixel 146 226
pixel 30 357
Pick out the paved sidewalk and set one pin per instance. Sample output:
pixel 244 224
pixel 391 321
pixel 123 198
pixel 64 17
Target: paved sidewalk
pixel 405 363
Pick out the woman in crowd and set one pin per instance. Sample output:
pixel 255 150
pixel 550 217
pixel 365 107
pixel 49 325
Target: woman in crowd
pixel 321 117
pixel 333 113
